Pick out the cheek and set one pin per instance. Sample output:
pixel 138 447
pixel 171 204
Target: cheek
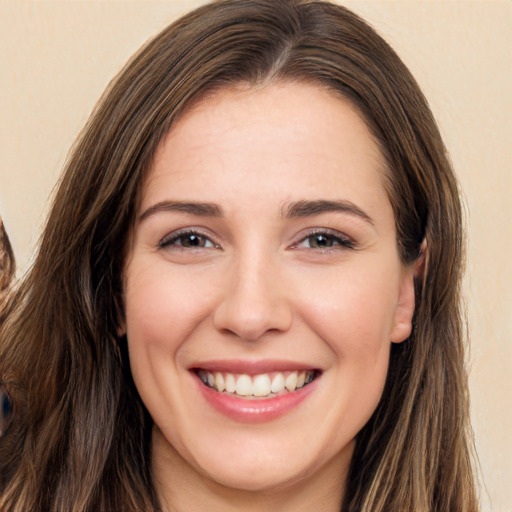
pixel 162 307
pixel 353 311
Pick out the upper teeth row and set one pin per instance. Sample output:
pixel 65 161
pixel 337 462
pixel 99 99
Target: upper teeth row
pixel 256 385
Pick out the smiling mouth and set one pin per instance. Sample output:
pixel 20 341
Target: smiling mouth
pixel 254 387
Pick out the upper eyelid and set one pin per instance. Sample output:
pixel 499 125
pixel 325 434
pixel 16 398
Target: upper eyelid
pixel 203 232
pixel 174 235
pixel 324 231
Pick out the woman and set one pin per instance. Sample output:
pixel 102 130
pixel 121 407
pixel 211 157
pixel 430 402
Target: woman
pixel 247 291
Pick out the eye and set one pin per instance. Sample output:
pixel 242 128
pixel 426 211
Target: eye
pixel 325 240
pixel 187 240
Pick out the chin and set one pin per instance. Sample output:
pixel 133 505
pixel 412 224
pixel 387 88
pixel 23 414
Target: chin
pixel 258 478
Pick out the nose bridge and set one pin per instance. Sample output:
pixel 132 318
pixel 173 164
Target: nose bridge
pixel 255 300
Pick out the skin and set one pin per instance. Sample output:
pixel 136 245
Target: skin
pixel 260 286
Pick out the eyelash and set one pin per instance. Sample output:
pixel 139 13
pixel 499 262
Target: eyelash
pixel 170 240
pixel 334 238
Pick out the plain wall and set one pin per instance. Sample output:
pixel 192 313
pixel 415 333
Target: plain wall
pixel 57 57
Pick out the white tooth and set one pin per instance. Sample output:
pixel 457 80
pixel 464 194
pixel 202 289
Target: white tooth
pixel 261 385
pixel 291 381
pixel 230 383
pixel 244 385
pixel 219 382
pixel 210 378
pixel 277 383
pixel 300 379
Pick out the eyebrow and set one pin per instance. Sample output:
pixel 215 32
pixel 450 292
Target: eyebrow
pixel 293 210
pixel 310 208
pixel 192 207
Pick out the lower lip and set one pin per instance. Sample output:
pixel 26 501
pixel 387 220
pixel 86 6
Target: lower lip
pixel 255 411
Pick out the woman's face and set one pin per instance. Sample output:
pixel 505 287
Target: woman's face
pixel 264 288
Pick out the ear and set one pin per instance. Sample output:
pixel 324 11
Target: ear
pixel 402 324
pixel 119 305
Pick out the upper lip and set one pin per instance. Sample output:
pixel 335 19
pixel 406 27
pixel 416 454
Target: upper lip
pixel 251 367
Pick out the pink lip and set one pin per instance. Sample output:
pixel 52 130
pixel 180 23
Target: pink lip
pixel 254 411
pixel 251 367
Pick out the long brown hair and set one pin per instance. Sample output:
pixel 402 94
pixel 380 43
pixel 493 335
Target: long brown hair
pixel 7 266
pixel 80 438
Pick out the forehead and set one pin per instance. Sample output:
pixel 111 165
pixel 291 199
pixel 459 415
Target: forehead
pixel 295 138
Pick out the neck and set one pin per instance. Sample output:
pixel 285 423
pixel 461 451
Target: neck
pixel 181 487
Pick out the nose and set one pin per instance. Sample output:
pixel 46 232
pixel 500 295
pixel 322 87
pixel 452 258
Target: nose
pixel 255 301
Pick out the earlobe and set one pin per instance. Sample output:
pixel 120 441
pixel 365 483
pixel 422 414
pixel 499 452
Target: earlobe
pixel 121 324
pixel 419 264
pixel 402 325
pixel 405 306
pixel 120 315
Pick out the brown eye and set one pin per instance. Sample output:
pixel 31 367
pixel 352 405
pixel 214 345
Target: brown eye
pixel 320 241
pixel 325 240
pixel 192 240
pixel 187 240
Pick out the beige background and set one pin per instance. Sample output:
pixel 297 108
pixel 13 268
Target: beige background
pixel 57 56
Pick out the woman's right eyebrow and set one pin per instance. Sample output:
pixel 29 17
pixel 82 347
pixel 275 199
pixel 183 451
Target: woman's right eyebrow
pixel 191 207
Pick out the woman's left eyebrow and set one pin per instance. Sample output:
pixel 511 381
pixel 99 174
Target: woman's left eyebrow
pixel 192 207
pixel 309 208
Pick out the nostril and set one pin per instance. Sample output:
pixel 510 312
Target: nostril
pixel 249 320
